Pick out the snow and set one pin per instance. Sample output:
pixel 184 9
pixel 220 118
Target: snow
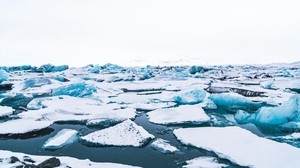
pixel 163 146
pixel 241 146
pixel 61 139
pixel 3 75
pixel 178 115
pixel 5 111
pixel 190 96
pixel 204 162
pixel 126 133
pixel 65 161
pixel 274 116
pixel 21 126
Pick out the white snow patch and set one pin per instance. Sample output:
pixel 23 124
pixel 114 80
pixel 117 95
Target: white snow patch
pixel 126 133
pixel 5 111
pixel 21 126
pixel 241 146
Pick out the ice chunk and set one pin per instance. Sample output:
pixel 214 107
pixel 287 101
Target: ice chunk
pixel 3 75
pixel 194 69
pixel 76 90
pixel 241 146
pixel 163 146
pixel 268 85
pixel 61 139
pixel 95 69
pixel 274 116
pixel 178 115
pixel 59 68
pixel 204 162
pixel 51 68
pixel 234 100
pixel 21 126
pixel 36 82
pixel 190 96
pixel 126 133
pixel 5 111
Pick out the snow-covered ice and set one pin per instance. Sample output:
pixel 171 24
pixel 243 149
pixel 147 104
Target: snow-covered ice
pixel 204 162
pixel 126 133
pixel 5 111
pixel 22 126
pixel 178 115
pixel 190 96
pixel 163 146
pixel 61 139
pixel 241 146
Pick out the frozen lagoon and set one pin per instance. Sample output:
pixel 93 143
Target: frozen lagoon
pixel 88 101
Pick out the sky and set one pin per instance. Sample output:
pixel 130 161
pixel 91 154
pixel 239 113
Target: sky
pixel 156 32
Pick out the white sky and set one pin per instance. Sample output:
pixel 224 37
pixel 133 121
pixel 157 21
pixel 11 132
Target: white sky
pixel 131 32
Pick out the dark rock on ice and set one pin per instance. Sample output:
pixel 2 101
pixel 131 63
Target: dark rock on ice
pixel 49 163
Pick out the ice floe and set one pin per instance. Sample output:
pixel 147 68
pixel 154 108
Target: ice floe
pixel 204 162
pixel 192 114
pixel 126 133
pixel 61 139
pixel 5 111
pixel 21 126
pixel 163 146
pixel 241 146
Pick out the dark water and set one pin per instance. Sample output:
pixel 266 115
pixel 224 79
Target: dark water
pixel 144 156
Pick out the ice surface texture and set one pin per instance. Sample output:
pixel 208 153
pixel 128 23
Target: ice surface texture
pixel 62 138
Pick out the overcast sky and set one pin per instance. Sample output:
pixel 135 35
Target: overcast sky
pixel 132 32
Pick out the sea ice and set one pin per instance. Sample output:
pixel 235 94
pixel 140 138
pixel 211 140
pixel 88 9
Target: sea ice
pixel 178 115
pixel 61 139
pixel 204 162
pixel 126 133
pixel 190 96
pixel 241 146
pixel 21 126
pixel 163 146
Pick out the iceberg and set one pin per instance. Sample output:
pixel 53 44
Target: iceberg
pixel 75 89
pixel 3 75
pixel 273 116
pixel 204 162
pixel 36 82
pixel 194 69
pixel 234 100
pixel 163 146
pixel 5 111
pixel 191 114
pixel 190 96
pixel 61 139
pixel 22 126
pixel 241 146
pixel 51 68
pixel 126 133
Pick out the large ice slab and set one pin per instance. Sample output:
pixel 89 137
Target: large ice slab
pixel 21 126
pixel 163 146
pixel 64 161
pixel 204 162
pixel 61 139
pixel 273 116
pixel 178 115
pixel 126 133
pixel 241 146
pixel 190 96
pixel 75 89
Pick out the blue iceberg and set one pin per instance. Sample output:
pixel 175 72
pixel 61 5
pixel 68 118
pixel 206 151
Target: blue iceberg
pixel 76 90
pixel 288 111
pixel 36 82
pixel 194 69
pixel 190 96
pixel 234 100
pixel 51 68
pixel 3 75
